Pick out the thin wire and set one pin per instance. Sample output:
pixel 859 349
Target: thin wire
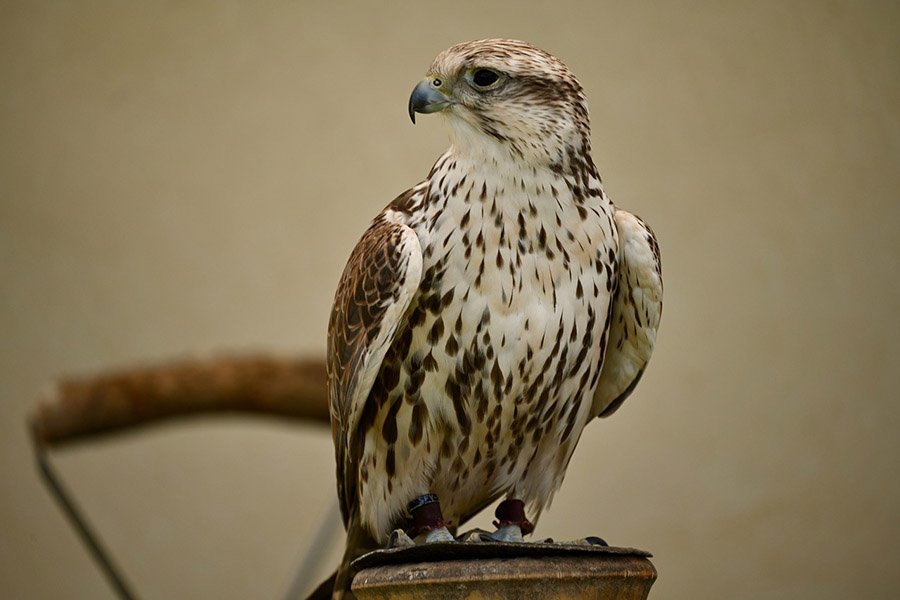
pixel 315 552
pixel 101 556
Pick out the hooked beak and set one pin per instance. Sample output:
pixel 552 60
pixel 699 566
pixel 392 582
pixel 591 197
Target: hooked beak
pixel 425 98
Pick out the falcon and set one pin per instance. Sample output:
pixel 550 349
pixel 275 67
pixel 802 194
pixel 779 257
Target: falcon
pixel 488 313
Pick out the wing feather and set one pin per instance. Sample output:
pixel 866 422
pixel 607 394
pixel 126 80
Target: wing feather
pixel 636 311
pixel 378 283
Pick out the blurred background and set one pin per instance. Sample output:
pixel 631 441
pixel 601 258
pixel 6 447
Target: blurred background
pixel 183 178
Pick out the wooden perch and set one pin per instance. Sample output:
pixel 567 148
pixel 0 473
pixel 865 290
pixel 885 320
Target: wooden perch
pixel 78 407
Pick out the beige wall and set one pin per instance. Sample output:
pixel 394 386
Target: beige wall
pixel 190 178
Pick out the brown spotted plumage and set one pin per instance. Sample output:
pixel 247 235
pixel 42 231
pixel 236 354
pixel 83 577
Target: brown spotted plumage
pixel 489 312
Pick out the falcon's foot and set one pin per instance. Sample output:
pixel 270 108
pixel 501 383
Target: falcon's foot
pixel 399 539
pixel 508 533
pixel 428 523
pixel 441 534
pixel 511 525
pixel 511 522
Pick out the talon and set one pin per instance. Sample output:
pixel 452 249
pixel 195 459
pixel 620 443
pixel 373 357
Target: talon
pixel 399 539
pixel 508 533
pixel 441 534
pixel 474 536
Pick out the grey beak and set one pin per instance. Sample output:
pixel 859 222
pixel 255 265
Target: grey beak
pixel 425 98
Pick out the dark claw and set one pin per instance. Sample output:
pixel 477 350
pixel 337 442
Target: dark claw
pixel 593 540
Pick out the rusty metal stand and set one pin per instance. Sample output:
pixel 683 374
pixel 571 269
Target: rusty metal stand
pixel 531 571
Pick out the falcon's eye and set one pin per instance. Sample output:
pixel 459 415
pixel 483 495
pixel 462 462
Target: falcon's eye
pixel 436 83
pixel 485 78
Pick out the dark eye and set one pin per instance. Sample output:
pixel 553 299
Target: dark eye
pixel 484 77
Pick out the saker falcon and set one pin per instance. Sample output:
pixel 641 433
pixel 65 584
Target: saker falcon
pixel 488 313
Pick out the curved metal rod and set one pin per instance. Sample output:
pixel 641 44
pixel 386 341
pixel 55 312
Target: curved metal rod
pixel 89 538
pixel 315 552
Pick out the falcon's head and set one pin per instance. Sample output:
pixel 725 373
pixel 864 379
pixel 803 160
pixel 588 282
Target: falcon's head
pixel 506 99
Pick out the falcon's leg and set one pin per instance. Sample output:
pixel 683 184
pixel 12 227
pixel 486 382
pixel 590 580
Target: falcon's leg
pixel 428 523
pixel 511 523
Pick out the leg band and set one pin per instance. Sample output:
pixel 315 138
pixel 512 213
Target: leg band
pixel 426 515
pixel 421 501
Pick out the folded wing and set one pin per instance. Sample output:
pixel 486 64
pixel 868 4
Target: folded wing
pixel 636 311
pixel 375 290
